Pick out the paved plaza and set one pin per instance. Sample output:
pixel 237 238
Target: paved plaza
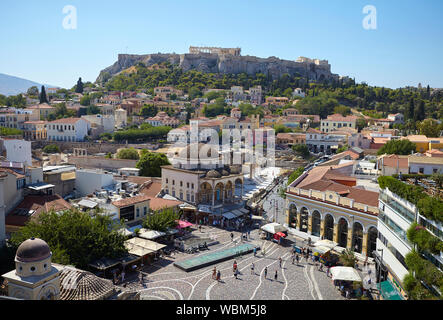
pixel 164 281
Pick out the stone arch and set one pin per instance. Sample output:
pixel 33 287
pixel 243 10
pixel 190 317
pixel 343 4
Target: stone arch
pixel 343 225
pixel 238 184
pixel 205 192
pixel 303 223
pixel 372 240
pixel 218 192
pixel 316 221
pixel 329 227
pixel 229 188
pixel 292 215
pixel 357 237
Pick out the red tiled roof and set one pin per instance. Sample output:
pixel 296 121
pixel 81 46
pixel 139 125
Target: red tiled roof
pixel 394 160
pixel 151 189
pixel 39 204
pixel 18 175
pixel 67 120
pixel 159 203
pixel 130 201
pixel 339 117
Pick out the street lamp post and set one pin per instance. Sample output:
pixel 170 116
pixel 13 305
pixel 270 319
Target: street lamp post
pixel 379 273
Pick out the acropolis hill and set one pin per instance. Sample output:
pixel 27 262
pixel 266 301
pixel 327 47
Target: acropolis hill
pixel 228 60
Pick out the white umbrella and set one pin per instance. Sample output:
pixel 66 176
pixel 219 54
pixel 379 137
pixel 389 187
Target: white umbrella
pixel 326 243
pixel 345 273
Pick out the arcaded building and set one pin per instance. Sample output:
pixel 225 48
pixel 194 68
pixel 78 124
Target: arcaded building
pixel 325 202
pixel 202 179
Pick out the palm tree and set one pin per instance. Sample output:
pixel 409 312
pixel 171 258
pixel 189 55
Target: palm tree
pixel 347 258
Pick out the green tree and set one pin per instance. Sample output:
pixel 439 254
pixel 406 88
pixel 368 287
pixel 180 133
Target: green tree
pixel 85 100
pixel 294 175
pixel 301 150
pixel 279 128
pixel 43 97
pixel 75 237
pixel 430 128
pixel 51 148
pixel 161 220
pixel 148 111
pixel 79 86
pixel 343 110
pixel 400 147
pixel 92 110
pixel 130 153
pixel 150 163
pixel 347 258
pixel 32 91
pixel 10 132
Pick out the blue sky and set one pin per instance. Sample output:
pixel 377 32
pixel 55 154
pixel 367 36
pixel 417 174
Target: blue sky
pixel 405 49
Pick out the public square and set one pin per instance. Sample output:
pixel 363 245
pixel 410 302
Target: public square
pixel 164 281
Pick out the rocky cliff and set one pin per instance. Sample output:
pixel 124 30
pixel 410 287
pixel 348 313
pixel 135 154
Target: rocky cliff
pixel 215 63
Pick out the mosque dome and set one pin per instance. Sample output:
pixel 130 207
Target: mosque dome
pixel 213 174
pixel 32 250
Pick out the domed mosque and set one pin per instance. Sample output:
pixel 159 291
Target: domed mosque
pixel 34 277
pixel 205 176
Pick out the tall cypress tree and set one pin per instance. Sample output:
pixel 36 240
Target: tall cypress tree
pixel 411 109
pixel 43 98
pixel 79 87
pixel 421 111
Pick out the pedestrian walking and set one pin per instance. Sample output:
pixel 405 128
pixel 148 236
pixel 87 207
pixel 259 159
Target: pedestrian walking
pixel 140 277
pixel 280 260
pixel 249 234
pixel 266 272
pixel 255 251
pixel 232 236
pixel 252 268
pixel 218 275
pixel 235 265
pixel 297 257
pixel 276 275
pixel 123 275
pixel 235 273
pixel 327 270
pixel 214 273
pixel 293 259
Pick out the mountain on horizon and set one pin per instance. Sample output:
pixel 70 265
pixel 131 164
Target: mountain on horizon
pixel 10 85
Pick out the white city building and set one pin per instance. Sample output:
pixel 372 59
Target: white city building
pixel 88 181
pixel 68 129
pixel 17 150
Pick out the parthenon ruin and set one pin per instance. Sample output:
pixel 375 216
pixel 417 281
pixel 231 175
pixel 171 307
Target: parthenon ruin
pixel 215 50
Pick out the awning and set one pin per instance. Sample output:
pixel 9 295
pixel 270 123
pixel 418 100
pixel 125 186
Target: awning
pixel 141 247
pixel 150 234
pixel 326 243
pixel 183 224
pixel 345 273
pixel 229 215
pixel 104 263
pixel 321 249
pixel 128 259
pixel 273 228
pixel 389 291
pixel 237 213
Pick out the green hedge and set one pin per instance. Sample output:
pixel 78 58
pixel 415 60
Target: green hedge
pixel 424 239
pixel 431 208
pixel 141 134
pixel 412 176
pixel 424 271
